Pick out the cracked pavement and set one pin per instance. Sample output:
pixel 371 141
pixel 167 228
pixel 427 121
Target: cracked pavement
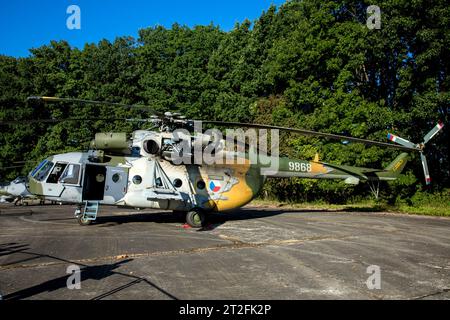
pixel 252 253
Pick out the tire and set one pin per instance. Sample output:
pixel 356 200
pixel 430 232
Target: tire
pixel 83 222
pixel 196 219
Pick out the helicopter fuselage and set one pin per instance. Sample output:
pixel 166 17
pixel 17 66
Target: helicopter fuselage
pixel 143 182
pixel 144 173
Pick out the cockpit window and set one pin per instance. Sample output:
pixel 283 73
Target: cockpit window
pixel 71 175
pixel 42 170
pixel 38 167
pixel 56 172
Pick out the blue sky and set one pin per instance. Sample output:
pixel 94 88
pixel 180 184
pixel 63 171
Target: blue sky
pixel 27 24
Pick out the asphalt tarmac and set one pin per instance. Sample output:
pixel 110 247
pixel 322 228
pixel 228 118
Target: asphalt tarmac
pixel 252 253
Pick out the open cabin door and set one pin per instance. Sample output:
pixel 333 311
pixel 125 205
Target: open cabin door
pixel 94 182
pixel 104 184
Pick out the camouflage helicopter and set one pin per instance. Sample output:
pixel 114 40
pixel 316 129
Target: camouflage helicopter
pixel 143 170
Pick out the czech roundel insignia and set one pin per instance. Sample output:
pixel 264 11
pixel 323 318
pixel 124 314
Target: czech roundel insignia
pixel 214 186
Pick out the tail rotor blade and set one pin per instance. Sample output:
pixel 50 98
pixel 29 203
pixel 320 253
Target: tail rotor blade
pixel 433 132
pixel 425 169
pixel 401 141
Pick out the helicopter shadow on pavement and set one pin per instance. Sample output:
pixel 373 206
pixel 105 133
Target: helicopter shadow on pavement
pixel 214 220
pixel 11 248
pixel 96 272
pixel 242 214
pixel 150 217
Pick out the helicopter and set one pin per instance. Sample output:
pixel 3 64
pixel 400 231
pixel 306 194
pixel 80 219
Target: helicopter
pixel 160 169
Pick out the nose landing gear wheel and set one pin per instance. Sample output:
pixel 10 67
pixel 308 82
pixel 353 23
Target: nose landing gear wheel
pixel 195 218
pixel 83 221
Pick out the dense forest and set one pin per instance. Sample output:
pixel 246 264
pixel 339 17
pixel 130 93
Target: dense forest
pixel 311 64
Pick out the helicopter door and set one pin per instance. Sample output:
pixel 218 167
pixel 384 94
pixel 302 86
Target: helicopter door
pixel 116 184
pixel 70 179
pixel 94 182
pixel 51 187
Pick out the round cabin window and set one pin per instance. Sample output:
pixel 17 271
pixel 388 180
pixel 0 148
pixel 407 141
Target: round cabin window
pixel 177 183
pixel 99 178
pixel 137 179
pixel 116 177
pixel 201 185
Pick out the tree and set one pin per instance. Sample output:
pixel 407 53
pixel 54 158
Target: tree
pixel 308 63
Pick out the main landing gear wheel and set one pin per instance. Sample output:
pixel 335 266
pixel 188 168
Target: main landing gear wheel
pixel 83 221
pixel 195 218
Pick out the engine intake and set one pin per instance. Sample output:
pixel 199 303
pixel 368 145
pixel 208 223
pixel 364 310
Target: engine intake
pixel 151 146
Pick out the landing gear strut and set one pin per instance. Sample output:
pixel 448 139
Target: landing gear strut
pixel 375 188
pixel 196 218
pixel 20 202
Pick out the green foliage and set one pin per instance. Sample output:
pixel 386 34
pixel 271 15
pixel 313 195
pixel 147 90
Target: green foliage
pixel 309 63
pixel 439 199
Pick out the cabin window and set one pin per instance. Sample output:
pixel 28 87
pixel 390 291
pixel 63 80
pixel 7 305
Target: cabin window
pixel 42 171
pixel 201 185
pixel 57 171
pixel 116 177
pixel 100 178
pixel 71 175
pixel 137 180
pixel 177 183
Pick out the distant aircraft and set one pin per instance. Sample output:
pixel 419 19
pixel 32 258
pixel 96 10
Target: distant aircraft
pixel 17 190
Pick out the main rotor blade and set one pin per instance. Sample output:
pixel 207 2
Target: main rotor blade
pixel 84 101
pixel 401 141
pixel 11 167
pixel 433 132
pixel 312 133
pixel 425 169
pixel 19 122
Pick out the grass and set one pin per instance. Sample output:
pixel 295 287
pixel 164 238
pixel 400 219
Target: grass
pixel 430 209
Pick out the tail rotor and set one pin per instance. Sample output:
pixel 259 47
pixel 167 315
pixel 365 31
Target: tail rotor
pixel 419 147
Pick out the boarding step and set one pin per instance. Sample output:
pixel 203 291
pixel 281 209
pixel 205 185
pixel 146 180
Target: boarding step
pixel 91 210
